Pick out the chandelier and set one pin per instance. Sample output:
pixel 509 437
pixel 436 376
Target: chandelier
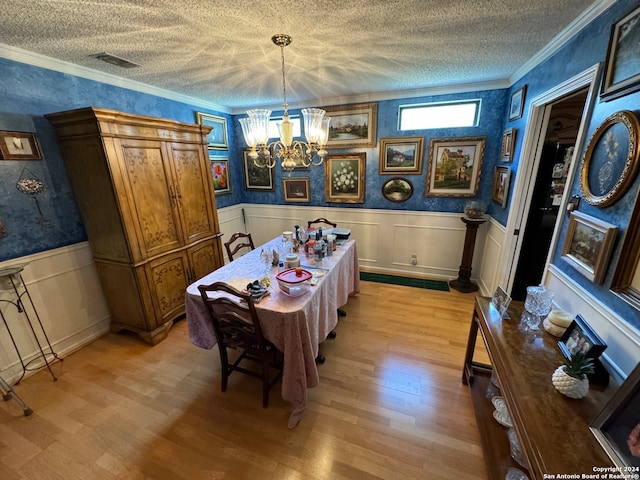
pixel 291 153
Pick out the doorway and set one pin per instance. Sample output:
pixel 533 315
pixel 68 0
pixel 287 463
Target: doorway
pixel 548 189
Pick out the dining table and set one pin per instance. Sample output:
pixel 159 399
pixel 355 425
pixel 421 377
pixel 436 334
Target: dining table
pixel 295 325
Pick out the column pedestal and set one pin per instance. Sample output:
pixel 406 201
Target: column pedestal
pixel 463 283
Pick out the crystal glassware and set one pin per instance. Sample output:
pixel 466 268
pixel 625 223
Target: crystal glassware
pixel 537 305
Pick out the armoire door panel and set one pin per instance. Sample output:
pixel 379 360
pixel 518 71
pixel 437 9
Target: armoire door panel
pixel 203 258
pixel 168 278
pixel 153 202
pixel 193 191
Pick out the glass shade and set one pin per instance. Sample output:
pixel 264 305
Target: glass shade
pixel 247 131
pixel 313 123
pixel 260 125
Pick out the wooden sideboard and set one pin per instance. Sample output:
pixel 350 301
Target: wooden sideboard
pixel 553 430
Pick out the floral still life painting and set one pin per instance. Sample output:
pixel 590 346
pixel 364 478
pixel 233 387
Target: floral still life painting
pixel 344 178
pixel 220 173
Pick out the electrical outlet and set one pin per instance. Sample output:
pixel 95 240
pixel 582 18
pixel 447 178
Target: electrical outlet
pixel 414 259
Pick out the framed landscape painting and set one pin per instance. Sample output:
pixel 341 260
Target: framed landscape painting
pixel 588 245
pixel 401 155
pixel 217 137
pixel 455 166
pixel 344 177
pixel 352 125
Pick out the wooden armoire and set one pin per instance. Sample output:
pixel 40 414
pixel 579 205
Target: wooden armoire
pixel 145 193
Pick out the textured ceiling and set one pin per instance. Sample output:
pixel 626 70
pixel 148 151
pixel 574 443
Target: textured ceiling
pixel 220 51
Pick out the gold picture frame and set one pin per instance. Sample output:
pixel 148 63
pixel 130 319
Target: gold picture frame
pixel 610 161
pixel 217 138
pixel 352 126
pixel 587 246
pixel 500 187
pixel 344 177
pixel 508 144
pixel 401 155
pixel 455 166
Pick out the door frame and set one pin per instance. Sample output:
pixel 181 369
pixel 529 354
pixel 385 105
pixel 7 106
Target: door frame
pixel 535 133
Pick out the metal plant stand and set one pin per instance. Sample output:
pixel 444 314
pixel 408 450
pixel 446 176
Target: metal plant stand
pixel 8 394
pixel 21 292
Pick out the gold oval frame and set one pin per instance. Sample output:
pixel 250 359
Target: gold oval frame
pixel 630 121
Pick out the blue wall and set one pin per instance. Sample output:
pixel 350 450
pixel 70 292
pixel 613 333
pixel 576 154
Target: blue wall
pixel 490 126
pixel 585 49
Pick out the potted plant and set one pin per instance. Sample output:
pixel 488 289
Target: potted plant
pixel 571 379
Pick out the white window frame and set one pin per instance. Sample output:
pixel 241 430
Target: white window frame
pixel 438 106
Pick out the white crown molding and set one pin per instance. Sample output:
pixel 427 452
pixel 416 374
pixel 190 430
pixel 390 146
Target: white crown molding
pixel 38 60
pixel 563 37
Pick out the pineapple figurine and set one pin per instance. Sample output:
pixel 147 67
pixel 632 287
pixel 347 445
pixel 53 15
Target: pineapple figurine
pixel 571 379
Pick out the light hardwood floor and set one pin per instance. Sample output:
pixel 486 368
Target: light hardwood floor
pixel 390 405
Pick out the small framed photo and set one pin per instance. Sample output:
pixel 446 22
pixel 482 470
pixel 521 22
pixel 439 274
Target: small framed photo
pixel 344 177
pixel 455 166
pixel 217 137
pixel 296 189
pixel 622 70
pixel 580 338
pixel 500 187
pixel 401 155
pixel 19 146
pixel 587 246
pixel 516 106
pixel 256 178
pixel 352 126
pixel 220 174
pixel 501 301
pixel 508 143
pixel 617 427
pixel 397 190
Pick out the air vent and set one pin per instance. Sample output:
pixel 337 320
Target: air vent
pixel 112 59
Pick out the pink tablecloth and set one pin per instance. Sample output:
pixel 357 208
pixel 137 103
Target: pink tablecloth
pixel 295 325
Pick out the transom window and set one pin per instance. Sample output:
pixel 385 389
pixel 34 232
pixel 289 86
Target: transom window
pixel 439 115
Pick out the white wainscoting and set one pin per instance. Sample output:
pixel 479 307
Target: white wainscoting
pixel 386 239
pixel 64 286
pixel 491 258
pixel 623 341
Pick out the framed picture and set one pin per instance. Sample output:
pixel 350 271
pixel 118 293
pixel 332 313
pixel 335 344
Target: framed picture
pixel 217 137
pixel 397 190
pixel 579 338
pixel 588 244
pixel 617 427
pixel 622 69
pixel 501 301
pixel 220 173
pixel 296 189
pixel 516 106
pixel 344 177
pixel 610 161
pixel 19 146
pixel 508 143
pixel 500 187
pixel 401 155
pixel 455 166
pixel 256 178
pixel 352 125
pixel 626 277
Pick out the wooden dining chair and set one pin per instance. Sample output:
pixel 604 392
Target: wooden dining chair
pixel 237 242
pixel 237 327
pixel 321 220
